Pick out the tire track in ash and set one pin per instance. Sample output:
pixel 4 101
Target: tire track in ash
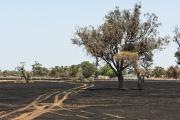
pixel 39 107
pixel 47 95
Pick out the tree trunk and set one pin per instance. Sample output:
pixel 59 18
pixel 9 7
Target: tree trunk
pixel 27 81
pixel 121 80
pixel 140 82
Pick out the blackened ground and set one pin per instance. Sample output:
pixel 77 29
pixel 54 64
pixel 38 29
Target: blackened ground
pixel 15 95
pixel 159 100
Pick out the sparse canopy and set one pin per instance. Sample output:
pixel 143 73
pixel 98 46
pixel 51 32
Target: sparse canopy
pixel 121 31
pixel 24 74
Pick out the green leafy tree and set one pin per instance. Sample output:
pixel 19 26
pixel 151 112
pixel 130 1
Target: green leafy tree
pixel 158 72
pixel 88 69
pixel 39 70
pixel 73 70
pixel 121 31
pixel 105 71
pixel 111 73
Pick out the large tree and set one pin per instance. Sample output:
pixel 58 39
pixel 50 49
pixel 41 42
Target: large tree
pixel 121 31
pixel 177 40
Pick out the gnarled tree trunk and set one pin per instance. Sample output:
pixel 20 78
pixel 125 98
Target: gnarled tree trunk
pixel 121 80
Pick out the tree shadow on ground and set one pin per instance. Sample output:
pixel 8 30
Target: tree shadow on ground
pixel 102 89
pixel 115 88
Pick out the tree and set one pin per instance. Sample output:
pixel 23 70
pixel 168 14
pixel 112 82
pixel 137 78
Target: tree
pixel 56 71
pixel 140 65
pixel 24 74
pixel 176 76
pixel 105 71
pixel 5 73
pixel 177 40
pixel 39 70
pixel 79 75
pixel 158 72
pixel 88 69
pixel 73 70
pixel 142 68
pixel 121 31
pixel 36 69
pixel 173 72
pixel 9 73
pixel 111 73
pixel 65 71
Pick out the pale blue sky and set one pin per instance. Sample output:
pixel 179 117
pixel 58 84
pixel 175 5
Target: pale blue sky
pixel 41 29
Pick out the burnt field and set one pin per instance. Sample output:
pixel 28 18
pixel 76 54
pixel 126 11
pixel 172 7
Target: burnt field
pixel 159 100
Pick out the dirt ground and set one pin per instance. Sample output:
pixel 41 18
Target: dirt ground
pixel 159 100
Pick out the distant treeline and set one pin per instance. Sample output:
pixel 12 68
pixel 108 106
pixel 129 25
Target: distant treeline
pixel 85 69
pixel 156 72
pixel 39 71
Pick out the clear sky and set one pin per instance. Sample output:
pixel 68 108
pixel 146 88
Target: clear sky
pixel 40 30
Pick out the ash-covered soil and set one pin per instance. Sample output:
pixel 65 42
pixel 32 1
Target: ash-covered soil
pixel 20 94
pixel 159 100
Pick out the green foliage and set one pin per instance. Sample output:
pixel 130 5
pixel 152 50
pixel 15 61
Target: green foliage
pixel 105 71
pixel 73 70
pixel 5 73
pixel 88 69
pixel 39 70
pixel 9 73
pixel 158 72
pixel 111 73
pixel 56 71
pixel 23 73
